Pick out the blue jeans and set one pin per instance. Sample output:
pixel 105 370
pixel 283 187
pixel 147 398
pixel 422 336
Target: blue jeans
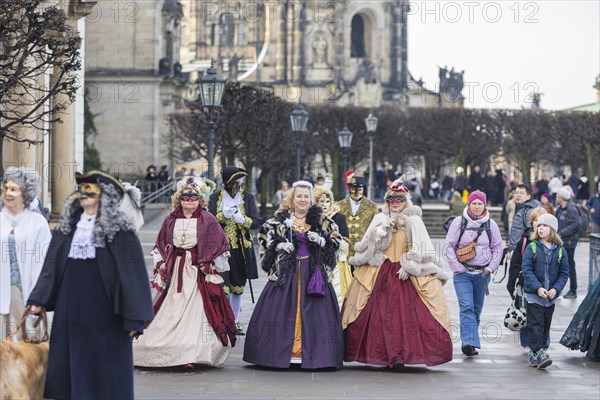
pixel 470 293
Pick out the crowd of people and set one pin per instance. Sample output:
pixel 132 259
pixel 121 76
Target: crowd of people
pixel 346 281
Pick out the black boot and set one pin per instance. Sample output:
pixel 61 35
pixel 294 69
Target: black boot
pixel 469 350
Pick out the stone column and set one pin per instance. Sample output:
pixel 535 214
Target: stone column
pixel 63 160
pixel 62 166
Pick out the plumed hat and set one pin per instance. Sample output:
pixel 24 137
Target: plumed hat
pixel 190 183
pixel 398 186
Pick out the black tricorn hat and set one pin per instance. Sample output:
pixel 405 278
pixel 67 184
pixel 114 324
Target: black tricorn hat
pixel 96 176
pixel 357 181
pixel 232 173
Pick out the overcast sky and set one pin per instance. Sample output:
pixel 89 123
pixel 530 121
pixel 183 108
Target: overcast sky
pixel 509 49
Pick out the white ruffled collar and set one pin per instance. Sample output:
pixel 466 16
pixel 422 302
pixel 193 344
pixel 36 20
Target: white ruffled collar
pixel 83 245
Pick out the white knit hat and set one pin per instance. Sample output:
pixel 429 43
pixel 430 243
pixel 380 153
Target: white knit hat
pixel 549 220
pixel 565 193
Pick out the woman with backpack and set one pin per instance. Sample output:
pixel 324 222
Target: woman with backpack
pixel 473 250
pixel 515 277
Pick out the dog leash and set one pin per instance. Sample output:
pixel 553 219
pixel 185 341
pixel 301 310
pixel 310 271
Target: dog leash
pixel 42 317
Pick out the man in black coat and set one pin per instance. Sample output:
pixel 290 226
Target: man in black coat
pixel 568 230
pixel 489 186
pixel 476 180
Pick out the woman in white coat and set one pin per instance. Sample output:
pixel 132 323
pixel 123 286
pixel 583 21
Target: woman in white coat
pixel 25 236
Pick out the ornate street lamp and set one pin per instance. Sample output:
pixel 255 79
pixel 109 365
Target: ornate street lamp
pixel 371 124
pixel 345 141
pixel 299 121
pixel 211 88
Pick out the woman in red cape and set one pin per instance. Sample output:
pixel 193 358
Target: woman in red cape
pixel 194 323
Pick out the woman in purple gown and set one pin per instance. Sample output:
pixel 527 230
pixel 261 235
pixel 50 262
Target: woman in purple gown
pixel 293 323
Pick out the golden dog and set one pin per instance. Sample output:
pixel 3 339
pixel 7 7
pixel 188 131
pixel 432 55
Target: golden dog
pixel 22 370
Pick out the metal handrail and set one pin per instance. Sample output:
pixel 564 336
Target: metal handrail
pixel 160 194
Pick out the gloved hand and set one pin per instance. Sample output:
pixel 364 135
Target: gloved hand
pixel 239 218
pixel 316 238
pixel 229 212
pixel 156 257
pixel 285 246
pixel 385 226
pixel 402 274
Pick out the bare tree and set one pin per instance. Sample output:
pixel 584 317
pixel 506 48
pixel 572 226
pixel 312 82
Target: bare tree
pixel 35 41
pixel 183 137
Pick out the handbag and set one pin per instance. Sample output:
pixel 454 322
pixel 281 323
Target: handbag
pixel 516 315
pixel 467 253
pixel 316 284
pixel 23 364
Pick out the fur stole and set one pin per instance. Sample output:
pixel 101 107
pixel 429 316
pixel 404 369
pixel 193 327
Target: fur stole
pixel 278 263
pixel 419 260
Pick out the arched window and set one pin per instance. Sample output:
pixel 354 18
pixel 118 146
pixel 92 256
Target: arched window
pixel 358 48
pixel 241 34
pixel 227 34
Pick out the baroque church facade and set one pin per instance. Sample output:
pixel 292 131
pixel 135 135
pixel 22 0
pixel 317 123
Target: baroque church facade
pixel 143 57
pixel 347 52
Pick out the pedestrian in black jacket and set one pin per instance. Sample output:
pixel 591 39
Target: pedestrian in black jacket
pixel 568 229
pixel 500 186
pixel 476 181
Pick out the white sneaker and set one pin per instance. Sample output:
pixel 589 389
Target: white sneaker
pixel 526 350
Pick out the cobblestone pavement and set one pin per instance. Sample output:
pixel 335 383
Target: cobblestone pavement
pixel 500 371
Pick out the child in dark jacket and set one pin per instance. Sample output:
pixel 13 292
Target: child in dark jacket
pixel 515 274
pixel 545 270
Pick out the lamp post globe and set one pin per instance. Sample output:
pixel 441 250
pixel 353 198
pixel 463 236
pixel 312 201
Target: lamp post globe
pixel 299 122
pixel 211 88
pixel 345 141
pixel 371 125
